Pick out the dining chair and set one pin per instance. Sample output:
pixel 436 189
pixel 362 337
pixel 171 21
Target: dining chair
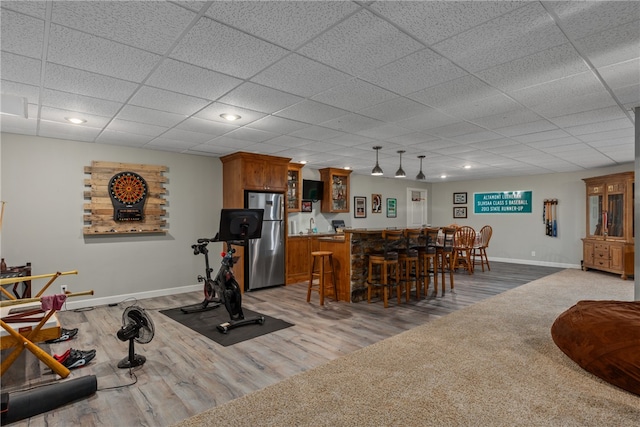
pixel 464 241
pixel 387 266
pixel 480 248
pixel 428 259
pixel 410 261
pixel 446 257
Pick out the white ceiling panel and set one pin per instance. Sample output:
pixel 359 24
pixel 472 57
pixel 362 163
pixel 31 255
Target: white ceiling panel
pixel 503 85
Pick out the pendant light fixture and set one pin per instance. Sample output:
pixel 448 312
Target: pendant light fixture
pixel 377 170
pixel 400 172
pixel 420 176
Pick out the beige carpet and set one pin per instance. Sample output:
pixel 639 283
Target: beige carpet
pixel 491 364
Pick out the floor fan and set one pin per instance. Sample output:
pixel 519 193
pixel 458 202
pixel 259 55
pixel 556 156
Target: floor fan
pixel 136 326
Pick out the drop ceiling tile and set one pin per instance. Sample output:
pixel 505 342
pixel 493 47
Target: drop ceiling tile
pixel 78 50
pixel 191 80
pixel 149 116
pixel 260 98
pixel 20 69
pixel 577 104
pixel 372 43
pixel 526 128
pixel 85 83
pixel 580 19
pixel 79 103
pixel 316 133
pixel 151 26
pixel 352 123
pixel 429 119
pixel 290 141
pixel 30 92
pixel 165 144
pixel 37 9
pixel 557 90
pixel 21 34
pixel 350 140
pixel 455 129
pixel 522 32
pixel 515 117
pixel 195 124
pixel 252 135
pixel 433 21
pixel 476 137
pixel 172 102
pixel 213 150
pixel 126 126
pixel 628 96
pixel 454 93
pixel 549 135
pixel 49 129
pixel 412 138
pixel 287 24
pixel 613 46
pixel 557 145
pixel 550 64
pixel 123 139
pixel 277 125
pixel 614 142
pixel 353 95
pixel 492 105
pixel 384 132
pixel 395 109
pixel 311 112
pixel 623 74
pixel 600 127
pixel 267 148
pixel 493 143
pixel 592 116
pixel 607 135
pixel 213 112
pixel 300 76
pixel 187 136
pixel 220 48
pixel 420 70
pixel 58 115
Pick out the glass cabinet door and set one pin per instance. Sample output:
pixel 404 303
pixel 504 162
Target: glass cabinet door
pixel 615 215
pixel 294 189
pixel 339 193
pixel 595 215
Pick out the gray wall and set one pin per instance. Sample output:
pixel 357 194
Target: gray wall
pixel 42 181
pixel 43 185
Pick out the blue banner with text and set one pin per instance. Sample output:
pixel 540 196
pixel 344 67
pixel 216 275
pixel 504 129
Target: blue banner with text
pixel 502 202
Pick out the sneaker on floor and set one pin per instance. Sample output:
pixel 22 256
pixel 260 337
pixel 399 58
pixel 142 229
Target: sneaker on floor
pixel 66 335
pixel 78 358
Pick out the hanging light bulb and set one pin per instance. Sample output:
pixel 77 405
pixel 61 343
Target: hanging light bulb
pixel 420 176
pixel 400 172
pixel 377 170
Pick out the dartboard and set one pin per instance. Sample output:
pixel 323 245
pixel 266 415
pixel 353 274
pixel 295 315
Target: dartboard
pixel 128 188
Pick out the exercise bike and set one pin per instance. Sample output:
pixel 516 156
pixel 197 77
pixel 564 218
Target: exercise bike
pixel 224 289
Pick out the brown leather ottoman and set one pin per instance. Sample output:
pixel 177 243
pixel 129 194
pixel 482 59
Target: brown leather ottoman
pixel 603 337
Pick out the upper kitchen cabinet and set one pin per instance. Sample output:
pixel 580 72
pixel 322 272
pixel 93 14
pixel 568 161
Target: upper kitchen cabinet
pixel 255 172
pixel 335 198
pixel 294 187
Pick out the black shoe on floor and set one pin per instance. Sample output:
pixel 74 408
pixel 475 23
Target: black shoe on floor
pixel 78 358
pixel 66 335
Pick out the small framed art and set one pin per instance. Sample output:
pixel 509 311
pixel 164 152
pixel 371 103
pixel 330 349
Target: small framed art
pixel 307 206
pixel 376 203
pixel 359 207
pixel 392 208
pixel 459 198
pixel 460 212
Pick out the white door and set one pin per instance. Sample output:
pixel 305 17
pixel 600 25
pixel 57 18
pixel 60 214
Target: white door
pixel 416 207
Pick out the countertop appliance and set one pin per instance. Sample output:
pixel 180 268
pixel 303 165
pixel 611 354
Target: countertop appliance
pixel 265 257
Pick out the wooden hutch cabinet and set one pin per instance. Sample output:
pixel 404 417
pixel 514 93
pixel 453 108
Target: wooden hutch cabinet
pixel 335 197
pixel 294 187
pixel 609 241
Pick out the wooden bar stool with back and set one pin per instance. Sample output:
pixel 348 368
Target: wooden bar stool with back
pixel 387 266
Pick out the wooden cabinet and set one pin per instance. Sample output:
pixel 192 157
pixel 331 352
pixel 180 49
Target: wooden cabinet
pixel 294 187
pixel 609 241
pixel 335 197
pixel 253 172
pixel 299 250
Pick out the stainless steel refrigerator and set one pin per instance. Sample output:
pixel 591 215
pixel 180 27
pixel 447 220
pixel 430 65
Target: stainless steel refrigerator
pixel 264 266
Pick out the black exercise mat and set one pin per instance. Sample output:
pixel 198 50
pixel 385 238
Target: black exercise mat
pixel 206 322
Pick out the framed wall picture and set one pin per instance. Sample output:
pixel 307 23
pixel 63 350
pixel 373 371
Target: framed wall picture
pixel 392 208
pixel 359 207
pixel 460 198
pixel 307 206
pixel 376 203
pixel 460 212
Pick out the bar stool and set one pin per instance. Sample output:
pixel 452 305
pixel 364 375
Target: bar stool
pixel 447 257
pixel 320 273
pixel 388 266
pixel 410 261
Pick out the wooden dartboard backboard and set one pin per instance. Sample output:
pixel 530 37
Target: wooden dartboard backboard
pixel 98 216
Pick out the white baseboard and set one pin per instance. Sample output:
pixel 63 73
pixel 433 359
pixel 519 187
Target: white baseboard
pixel 531 262
pixel 73 304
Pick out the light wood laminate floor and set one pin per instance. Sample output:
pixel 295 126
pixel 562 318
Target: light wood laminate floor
pixel 186 373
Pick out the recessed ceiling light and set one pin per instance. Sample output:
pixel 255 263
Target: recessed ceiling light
pixel 443 176
pixel 75 120
pixel 347 167
pixel 467 166
pixel 304 162
pixel 230 117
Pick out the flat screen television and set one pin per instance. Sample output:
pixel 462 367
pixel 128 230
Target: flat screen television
pixel 312 190
pixel 240 224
